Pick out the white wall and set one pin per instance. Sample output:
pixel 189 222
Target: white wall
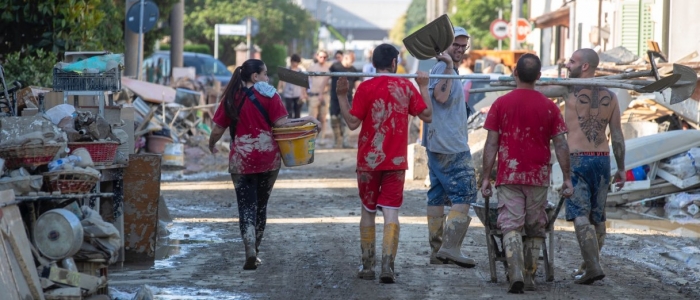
pixel 684 28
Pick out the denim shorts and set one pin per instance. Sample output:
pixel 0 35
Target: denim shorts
pixel 452 179
pixel 590 176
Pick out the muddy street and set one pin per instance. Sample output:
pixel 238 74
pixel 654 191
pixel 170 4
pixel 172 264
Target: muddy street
pixel 311 248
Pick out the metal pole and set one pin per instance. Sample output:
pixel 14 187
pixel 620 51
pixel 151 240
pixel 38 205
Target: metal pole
pixel 140 45
pixel 216 41
pixel 514 14
pixel 248 31
pixel 500 17
pixel 353 74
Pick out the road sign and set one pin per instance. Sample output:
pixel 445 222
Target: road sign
pixel 150 16
pixel 231 29
pixel 522 30
pixel 255 26
pixel 499 29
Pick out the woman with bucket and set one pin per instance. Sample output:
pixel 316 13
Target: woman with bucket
pixel 250 108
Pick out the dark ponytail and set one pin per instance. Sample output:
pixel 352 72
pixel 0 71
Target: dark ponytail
pixel 240 76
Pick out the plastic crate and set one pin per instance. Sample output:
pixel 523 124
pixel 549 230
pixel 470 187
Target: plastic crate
pixel 72 81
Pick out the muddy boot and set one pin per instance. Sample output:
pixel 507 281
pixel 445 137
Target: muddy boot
pixel 588 242
pixel 367 244
pixel 513 244
pixel 390 243
pixel 531 252
pixel 250 253
pixel 451 250
pixel 435 231
pixel 337 136
pixel 582 269
pixel 258 240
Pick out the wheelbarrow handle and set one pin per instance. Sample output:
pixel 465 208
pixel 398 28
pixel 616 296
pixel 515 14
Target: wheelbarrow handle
pixel 550 223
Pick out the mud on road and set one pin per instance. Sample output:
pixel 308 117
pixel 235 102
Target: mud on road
pixel 311 249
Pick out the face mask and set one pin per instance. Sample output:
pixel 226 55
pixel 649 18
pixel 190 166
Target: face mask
pixel 265 89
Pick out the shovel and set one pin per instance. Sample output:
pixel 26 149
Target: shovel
pixel 431 40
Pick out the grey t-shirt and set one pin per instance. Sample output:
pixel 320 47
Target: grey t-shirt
pixel 447 134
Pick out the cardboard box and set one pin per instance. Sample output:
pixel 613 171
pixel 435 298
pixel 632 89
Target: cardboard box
pixel 28 97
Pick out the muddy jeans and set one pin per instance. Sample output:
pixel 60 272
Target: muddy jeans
pixel 522 206
pixel 590 175
pixel 293 106
pixel 252 193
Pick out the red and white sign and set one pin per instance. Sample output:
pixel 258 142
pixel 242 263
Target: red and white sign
pixel 522 30
pixel 499 29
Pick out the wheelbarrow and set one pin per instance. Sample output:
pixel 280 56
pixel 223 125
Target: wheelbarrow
pixel 497 250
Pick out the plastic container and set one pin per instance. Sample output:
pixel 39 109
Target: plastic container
pixel 156 143
pixel 639 173
pixel 58 164
pixel 72 81
pixel 297 144
pixel 174 156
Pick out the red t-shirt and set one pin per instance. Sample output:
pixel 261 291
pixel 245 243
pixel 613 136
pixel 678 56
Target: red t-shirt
pixel 383 104
pixel 253 149
pixel 525 121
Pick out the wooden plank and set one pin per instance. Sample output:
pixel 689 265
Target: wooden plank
pixel 7 278
pixel 19 242
pixel 142 177
pixel 150 92
pixel 76 279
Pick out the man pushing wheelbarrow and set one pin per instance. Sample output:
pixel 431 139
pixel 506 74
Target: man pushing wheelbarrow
pixel 520 125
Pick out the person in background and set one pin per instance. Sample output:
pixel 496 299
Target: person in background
pixel 250 107
pixel 338 56
pixel 317 98
pixel 382 106
pixel 294 96
pixel 368 67
pixel 338 125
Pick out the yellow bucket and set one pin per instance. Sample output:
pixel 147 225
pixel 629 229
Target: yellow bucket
pixel 297 144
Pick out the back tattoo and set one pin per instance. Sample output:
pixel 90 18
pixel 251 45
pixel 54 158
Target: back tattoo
pixel 594 111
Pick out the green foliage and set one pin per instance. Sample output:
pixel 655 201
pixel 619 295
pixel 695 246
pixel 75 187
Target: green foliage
pixel 60 26
pixel 30 69
pixel 415 15
pixel 398 32
pixel 280 21
pixel 274 56
pixel 476 16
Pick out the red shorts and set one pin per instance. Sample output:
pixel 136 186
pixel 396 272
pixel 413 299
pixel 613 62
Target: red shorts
pixel 381 188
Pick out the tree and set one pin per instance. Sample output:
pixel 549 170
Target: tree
pixel 476 16
pixel 398 32
pixel 415 16
pixel 280 21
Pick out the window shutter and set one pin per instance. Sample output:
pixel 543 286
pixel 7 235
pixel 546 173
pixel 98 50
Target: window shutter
pixel 636 25
pixel 646 30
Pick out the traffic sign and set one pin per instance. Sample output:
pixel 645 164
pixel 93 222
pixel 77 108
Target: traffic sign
pixel 150 17
pixel 255 26
pixel 522 30
pixel 231 29
pixel 499 29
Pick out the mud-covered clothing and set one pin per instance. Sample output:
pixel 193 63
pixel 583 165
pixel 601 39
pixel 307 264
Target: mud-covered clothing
pixel 452 179
pixel 252 193
pixel 526 121
pixel 384 104
pixel 447 134
pixel 522 207
pixel 381 188
pixel 338 67
pixel 253 149
pixel 590 175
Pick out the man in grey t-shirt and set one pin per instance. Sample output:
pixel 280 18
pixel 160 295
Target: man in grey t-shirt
pixel 452 178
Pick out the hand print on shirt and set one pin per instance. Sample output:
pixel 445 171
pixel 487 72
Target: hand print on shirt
pixel 594 111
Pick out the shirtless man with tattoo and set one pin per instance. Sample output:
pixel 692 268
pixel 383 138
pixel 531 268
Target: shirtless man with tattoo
pixel 589 111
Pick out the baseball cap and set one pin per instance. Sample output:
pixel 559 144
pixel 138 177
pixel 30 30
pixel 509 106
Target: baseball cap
pixel 459 31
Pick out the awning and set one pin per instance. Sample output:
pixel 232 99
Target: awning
pixel 559 17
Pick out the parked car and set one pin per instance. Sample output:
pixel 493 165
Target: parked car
pixel 206 66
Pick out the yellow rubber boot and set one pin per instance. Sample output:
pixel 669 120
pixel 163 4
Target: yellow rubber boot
pixel 455 229
pixel 367 244
pixel 390 244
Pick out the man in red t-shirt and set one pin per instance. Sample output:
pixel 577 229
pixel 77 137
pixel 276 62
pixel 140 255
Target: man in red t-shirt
pixel 520 125
pixel 382 105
